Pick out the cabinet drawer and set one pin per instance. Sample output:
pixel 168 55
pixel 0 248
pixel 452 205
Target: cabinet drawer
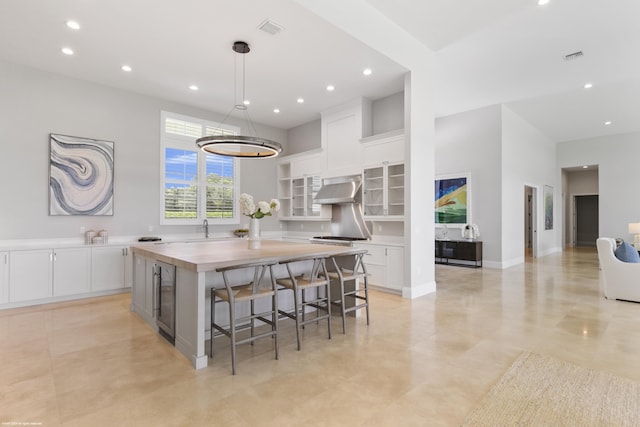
pixel 376 274
pixel 375 255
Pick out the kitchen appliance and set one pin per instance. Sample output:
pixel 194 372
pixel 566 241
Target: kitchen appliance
pixel 345 197
pixel 336 240
pixel 165 285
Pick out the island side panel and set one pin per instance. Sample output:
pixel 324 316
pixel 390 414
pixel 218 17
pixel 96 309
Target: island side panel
pixel 190 316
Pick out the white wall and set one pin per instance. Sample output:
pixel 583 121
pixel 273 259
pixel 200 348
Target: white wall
pixel 303 138
pixel 617 159
pixel 470 143
pixel 528 158
pixel 34 104
pixel 388 113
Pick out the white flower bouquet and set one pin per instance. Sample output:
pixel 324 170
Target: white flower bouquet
pixel 249 208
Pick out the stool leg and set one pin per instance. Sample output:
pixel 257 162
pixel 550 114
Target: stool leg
pixel 232 326
pixel 213 320
pixel 327 288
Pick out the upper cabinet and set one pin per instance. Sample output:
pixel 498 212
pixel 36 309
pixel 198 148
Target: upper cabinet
pixel 299 179
pixel 383 177
pixel 342 129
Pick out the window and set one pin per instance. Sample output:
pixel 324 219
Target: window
pixel 195 185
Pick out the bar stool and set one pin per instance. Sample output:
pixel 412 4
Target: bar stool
pixel 315 279
pixel 233 294
pixel 351 268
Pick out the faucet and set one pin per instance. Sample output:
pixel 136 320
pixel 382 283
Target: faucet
pixel 205 225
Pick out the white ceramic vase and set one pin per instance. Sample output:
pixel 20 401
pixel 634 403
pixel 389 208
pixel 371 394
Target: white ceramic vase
pixel 254 233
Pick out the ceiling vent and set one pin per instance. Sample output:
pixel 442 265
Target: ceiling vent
pixel 575 55
pixel 270 27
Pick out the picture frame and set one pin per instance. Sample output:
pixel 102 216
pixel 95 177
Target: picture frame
pixel 81 172
pixel 452 200
pixel 548 207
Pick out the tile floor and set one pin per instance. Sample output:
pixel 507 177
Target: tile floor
pixel 425 362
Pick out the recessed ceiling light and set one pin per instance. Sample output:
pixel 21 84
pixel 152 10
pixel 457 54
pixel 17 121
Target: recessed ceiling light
pixel 73 25
pixel 300 101
pixel 607 123
pixel 542 2
pixel 193 87
pixel 330 88
pixel 588 85
pixel 367 71
pixel 126 68
pixel 246 102
pixel 276 110
pixel 67 51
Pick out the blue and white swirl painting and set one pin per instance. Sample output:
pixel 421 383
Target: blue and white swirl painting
pixel 80 176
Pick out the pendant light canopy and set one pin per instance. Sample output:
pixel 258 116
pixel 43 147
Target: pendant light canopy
pixel 244 146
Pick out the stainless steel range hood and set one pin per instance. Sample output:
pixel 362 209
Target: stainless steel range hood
pixel 345 196
pixel 341 189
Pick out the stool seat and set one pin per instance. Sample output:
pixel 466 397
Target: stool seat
pixel 316 279
pixel 234 294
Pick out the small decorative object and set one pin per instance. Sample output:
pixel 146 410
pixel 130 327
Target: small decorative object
pixel 241 232
pixel 471 232
pixel 249 208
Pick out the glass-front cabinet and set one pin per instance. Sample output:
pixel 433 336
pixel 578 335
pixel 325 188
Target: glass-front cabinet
pixel 304 190
pixel 383 191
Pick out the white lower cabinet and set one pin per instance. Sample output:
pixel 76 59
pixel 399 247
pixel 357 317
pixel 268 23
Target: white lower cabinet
pixel 110 268
pixel 30 275
pixel 143 296
pixel 4 277
pixel 71 271
pixel 385 265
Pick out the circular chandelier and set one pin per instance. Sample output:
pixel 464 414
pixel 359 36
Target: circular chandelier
pixel 243 146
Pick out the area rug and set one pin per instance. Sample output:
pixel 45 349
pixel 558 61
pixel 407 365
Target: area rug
pixel 543 391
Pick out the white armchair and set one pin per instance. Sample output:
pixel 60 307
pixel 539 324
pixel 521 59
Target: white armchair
pixel 620 280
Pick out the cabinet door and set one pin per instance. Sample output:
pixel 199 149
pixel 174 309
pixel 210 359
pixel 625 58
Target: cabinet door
pixel 395 190
pixel 395 267
pixel 4 277
pixel 373 192
pixel 71 271
pixel 30 275
pixel 297 197
pixel 107 267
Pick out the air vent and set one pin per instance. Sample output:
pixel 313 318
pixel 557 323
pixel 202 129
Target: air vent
pixel 270 27
pixel 575 55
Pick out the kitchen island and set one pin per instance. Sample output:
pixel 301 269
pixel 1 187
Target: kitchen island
pixel 195 264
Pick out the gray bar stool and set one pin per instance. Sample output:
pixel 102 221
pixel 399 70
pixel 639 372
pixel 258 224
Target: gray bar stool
pixel 315 279
pixel 351 268
pixel 252 291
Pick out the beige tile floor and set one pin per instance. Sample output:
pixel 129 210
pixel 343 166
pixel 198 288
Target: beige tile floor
pixel 425 362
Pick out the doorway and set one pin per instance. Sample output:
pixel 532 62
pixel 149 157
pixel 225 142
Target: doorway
pixel 586 220
pixel 530 227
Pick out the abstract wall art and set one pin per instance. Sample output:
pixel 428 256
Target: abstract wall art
pixel 80 176
pixel 548 207
pixel 452 200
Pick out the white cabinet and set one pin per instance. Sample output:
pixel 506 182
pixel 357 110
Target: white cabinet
pixel 298 182
pixel 383 192
pixel 4 277
pixel 111 268
pixel 342 128
pixel 71 271
pixel 385 265
pixel 142 295
pixel 30 275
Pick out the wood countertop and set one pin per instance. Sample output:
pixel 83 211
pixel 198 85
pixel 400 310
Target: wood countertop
pixel 208 256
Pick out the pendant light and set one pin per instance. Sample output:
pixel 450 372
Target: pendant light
pixel 244 146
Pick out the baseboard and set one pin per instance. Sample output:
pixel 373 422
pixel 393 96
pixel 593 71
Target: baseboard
pixel 418 291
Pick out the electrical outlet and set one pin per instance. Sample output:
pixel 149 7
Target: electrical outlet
pixel 301 226
pixel 379 228
pixel 321 227
pixel 150 228
pixel 82 229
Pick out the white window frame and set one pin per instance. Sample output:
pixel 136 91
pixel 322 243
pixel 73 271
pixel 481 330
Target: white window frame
pixel 168 140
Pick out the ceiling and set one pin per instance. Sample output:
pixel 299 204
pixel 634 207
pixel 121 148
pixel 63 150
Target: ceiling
pixel 489 52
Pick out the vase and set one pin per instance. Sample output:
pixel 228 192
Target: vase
pixel 254 233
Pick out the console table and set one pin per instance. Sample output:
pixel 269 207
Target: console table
pixel 466 253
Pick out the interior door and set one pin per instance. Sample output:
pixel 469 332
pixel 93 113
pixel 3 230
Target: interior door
pixel 586 209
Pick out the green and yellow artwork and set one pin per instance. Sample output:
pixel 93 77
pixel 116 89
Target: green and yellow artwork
pixel 451 201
